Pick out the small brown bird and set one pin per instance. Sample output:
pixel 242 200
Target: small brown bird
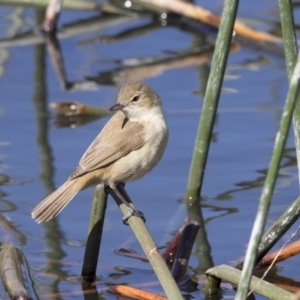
pixel 131 143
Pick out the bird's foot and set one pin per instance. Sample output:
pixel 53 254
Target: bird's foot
pixel 133 212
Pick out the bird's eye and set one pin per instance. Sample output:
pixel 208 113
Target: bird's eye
pixel 135 98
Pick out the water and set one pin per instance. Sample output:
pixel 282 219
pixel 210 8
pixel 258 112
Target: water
pixel 37 156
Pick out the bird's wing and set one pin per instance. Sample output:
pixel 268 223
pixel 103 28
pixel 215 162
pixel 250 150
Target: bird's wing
pixel 118 138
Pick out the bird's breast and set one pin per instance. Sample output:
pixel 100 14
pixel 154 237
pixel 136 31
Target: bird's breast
pixel 142 160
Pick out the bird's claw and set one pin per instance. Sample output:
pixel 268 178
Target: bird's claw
pixel 133 212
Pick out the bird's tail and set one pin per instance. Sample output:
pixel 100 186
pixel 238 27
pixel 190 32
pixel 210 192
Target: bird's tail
pixel 52 205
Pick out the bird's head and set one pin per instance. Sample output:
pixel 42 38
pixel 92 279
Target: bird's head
pixel 136 99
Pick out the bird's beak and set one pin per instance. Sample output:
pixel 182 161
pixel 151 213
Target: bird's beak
pixel 117 106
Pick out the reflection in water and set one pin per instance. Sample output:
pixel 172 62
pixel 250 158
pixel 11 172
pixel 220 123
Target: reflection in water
pixel 74 121
pixel 202 248
pixel 144 67
pixel 126 34
pixel 53 233
pixel 288 161
pixel 90 291
pixel 194 208
pixel 9 232
pixel 74 114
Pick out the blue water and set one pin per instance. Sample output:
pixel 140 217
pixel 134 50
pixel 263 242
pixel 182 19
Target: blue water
pixel 38 157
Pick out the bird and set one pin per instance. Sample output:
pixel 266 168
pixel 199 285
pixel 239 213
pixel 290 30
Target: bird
pixel 130 145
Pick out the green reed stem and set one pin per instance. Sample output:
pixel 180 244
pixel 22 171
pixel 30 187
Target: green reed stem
pixel 269 184
pixel 211 100
pixel 93 243
pixel 290 48
pixel 279 228
pixel 229 274
pixel 290 51
pixel 149 247
pixel 289 35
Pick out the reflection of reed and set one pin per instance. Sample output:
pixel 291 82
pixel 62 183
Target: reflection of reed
pixel 53 233
pixel 126 34
pixel 289 162
pixel 12 30
pixel 9 232
pixel 12 261
pixel 6 206
pixel 141 68
pixel 68 30
pixel 53 47
pixel 202 248
pixel 59 66
pixel 138 69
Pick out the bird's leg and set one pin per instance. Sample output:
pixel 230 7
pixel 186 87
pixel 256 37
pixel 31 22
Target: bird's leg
pixel 118 192
pixel 122 195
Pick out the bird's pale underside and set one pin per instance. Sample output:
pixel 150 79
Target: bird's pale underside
pixel 130 144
